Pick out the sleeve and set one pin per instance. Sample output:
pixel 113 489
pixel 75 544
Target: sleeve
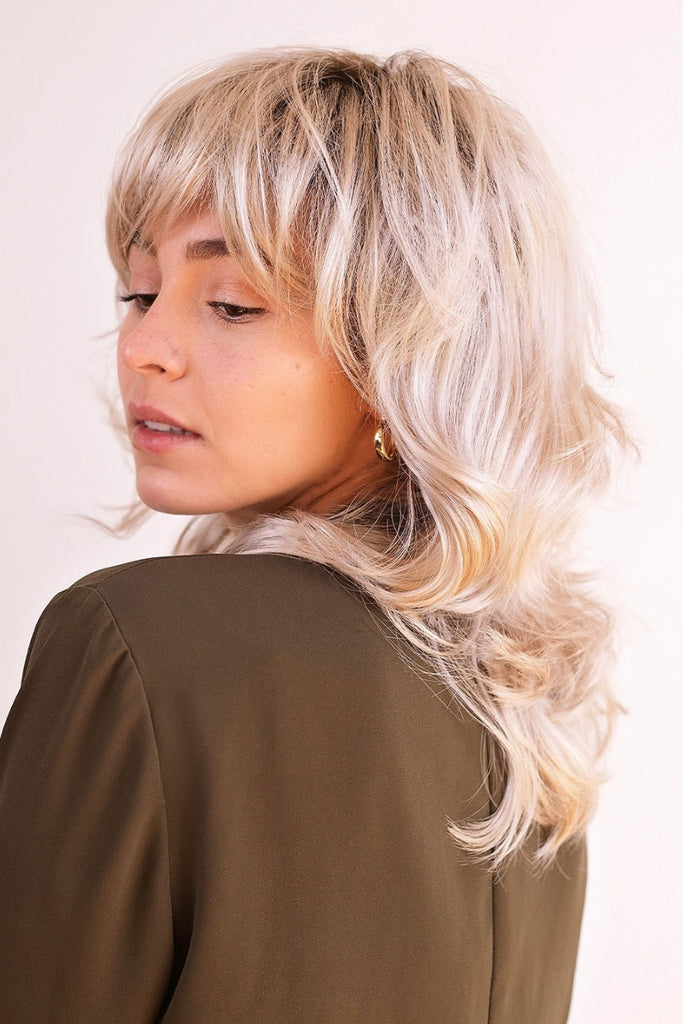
pixel 85 921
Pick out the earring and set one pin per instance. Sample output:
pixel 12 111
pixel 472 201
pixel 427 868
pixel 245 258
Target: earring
pixel 384 445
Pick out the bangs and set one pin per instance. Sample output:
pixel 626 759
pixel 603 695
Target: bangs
pixel 260 144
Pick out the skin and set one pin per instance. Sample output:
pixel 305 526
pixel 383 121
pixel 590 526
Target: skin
pixel 271 421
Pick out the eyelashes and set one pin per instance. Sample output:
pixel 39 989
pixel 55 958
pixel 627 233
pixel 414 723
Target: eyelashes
pixel 141 300
pixel 226 312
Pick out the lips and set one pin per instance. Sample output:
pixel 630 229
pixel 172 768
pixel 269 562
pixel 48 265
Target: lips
pixel 154 430
pixel 164 428
pixel 157 420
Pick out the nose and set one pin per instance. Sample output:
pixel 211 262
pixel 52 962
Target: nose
pixel 148 347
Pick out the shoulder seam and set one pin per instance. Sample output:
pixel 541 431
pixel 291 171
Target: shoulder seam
pixel 111 572
pixel 150 719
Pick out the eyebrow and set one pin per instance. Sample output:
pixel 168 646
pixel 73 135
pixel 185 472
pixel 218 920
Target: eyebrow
pixel 206 249
pixel 199 249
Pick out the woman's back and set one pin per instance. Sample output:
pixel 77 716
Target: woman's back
pixel 226 787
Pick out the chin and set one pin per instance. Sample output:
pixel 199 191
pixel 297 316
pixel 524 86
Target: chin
pixel 163 499
pixel 169 506
pixel 179 504
pixel 163 491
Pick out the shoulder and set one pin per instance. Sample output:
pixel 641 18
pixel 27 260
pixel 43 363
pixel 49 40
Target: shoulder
pixel 270 630
pixel 267 598
pixel 218 576
pixel 212 616
pixel 182 615
pixel 200 569
pixel 270 642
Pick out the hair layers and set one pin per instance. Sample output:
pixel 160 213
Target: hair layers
pixel 419 218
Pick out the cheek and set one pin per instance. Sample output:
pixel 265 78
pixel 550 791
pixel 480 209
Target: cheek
pixel 307 398
pixel 327 414
pixel 334 397
pixel 261 382
pixel 280 396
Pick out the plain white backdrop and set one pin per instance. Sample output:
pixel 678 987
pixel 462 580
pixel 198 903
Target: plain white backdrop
pixel 602 82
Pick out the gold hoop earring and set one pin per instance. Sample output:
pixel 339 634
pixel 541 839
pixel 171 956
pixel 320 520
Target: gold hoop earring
pixel 384 445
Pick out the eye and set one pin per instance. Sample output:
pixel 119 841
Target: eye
pixel 231 313
pixel 141 300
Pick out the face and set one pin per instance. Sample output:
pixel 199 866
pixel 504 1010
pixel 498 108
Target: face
pixel 229 403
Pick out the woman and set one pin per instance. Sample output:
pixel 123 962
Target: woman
pixel 336 763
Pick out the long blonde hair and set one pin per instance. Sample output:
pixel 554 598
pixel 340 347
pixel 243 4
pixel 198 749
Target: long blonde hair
pixel 418 216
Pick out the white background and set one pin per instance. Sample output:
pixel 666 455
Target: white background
pixel 602 82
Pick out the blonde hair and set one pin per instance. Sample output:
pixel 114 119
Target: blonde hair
pixel 418 217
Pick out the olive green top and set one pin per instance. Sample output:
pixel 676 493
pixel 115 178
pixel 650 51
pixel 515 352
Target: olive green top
pixel 224 793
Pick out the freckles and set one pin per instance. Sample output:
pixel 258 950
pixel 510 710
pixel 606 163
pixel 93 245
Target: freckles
pixel 228 366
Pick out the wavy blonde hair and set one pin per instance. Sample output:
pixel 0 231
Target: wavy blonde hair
pixel 418 217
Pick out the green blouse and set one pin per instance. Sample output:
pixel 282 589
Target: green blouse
pixel 224 795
